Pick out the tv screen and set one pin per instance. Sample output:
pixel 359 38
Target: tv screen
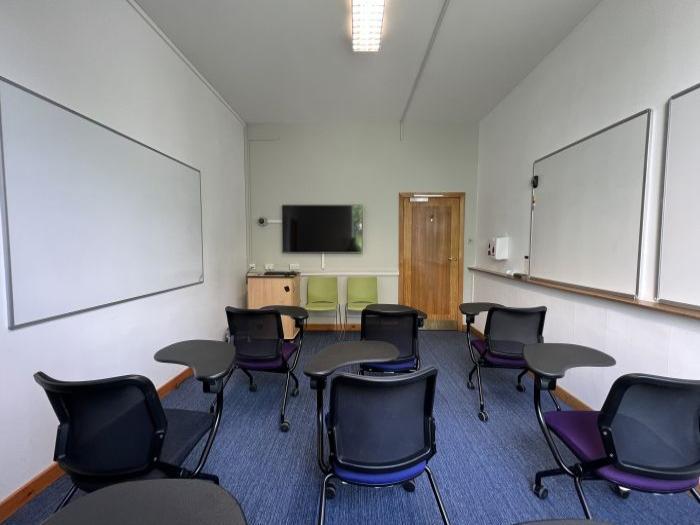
pixel 309 229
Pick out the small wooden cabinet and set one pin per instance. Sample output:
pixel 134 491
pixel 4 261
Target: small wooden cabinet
pixel 264 290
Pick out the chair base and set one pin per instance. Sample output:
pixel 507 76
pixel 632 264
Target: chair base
pixel 478 365
pixel 579 476
pixel 328 491
pixel 284 425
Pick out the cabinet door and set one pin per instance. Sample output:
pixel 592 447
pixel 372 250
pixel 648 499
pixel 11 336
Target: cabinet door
pixel 264 291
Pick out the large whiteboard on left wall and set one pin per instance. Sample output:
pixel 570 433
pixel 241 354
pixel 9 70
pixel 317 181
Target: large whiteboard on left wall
pixel 91 217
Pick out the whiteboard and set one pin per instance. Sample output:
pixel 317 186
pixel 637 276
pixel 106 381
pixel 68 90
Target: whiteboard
pixel 90 216
pixel 679 247
pixel 587 213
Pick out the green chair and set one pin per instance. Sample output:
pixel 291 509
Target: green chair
pixel 322 296
pixel 362 291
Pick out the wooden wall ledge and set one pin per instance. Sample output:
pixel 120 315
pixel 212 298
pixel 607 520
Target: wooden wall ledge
pixel 691 313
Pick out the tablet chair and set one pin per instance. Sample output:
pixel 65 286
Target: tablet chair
pixel 398 328
pixel 361 292
pixel 381 432
pixel 507 331
pixel 115 429
pixel 646 437
pixel 260 346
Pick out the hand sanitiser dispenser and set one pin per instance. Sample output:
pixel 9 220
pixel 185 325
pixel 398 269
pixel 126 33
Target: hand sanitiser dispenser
pixel 498 248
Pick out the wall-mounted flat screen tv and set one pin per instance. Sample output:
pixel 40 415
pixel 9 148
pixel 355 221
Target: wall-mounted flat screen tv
pixel 315 229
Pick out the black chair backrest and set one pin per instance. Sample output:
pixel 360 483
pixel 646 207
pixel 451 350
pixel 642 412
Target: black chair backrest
pixel 651 425
pixel 398 328
pixel 108 427
pixel 508 330
pixel 382 423
pixel 257 334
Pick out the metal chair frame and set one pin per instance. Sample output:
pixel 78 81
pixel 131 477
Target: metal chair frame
pixel 579 471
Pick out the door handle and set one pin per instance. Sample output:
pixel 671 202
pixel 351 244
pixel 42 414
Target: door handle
pixel 451 258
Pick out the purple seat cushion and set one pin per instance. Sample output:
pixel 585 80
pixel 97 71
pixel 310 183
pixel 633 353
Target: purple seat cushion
pixel 496 360
pixel 288 350
pixel 579 431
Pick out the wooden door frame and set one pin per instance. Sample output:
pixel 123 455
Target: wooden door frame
pixel 404 271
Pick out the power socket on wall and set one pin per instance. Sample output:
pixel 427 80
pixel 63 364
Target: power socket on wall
pixel 269 266
pixel 294 266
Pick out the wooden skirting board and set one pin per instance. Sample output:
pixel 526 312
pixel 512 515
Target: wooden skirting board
pixel 331 327
pixel 38 483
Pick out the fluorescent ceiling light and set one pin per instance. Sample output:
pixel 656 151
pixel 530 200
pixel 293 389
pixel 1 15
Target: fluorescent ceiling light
pixel 367 19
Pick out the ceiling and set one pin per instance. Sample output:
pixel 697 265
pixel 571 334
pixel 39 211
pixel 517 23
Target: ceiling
pixel 289 61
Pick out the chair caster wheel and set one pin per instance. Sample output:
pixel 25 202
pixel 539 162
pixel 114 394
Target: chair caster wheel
pixel 295 392
pixel 253 387
pixel 409 486
pixel 330 491
pixel 470 385
pixel 621 492
pixel 483 416
pixel 540 491
pixel 284 426
pixel 520 388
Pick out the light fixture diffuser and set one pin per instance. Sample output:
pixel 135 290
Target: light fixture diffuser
pixel 367 19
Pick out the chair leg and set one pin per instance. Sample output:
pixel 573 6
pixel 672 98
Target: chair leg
pixel 483 415
pixel 546 474
pixel 322 500
pixel 520 387
pixel 337 324
pixel 284 424
pixel 251 384
pixel 582 497
pixel 695 494
pixel 345 309
pixel 340 321
pixel 67 498
pixel 295 392
pixel 470 384
pixel 438 499
pixel 212 407
pixel 554 400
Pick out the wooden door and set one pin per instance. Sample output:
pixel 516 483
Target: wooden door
pixel 431 243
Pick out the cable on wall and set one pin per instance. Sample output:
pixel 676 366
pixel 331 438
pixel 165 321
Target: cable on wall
pixel 423 63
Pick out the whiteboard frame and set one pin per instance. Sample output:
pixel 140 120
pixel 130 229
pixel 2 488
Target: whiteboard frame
pixel 667 129
pixel 646 112
pixel 6 228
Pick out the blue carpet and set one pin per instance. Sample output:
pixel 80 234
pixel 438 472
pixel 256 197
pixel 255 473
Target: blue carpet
pixel 484 470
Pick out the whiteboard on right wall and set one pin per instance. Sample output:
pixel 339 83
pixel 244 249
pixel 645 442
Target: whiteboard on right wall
pixel 587 211
pixel 679 257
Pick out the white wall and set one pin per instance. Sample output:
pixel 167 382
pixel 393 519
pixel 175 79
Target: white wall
pixel 356 163
pixel 627 55
pixel 103 60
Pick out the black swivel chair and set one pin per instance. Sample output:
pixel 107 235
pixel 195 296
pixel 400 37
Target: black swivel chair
pixel 646 438
pixel 397 328
pixel 507 332
pixel 115 429
pixel 381 432
pixel 260 346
